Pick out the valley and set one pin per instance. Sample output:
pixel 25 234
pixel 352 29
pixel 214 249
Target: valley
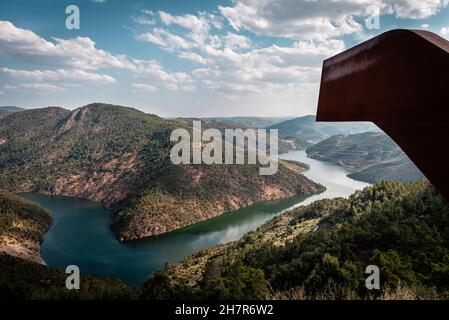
pixel 116 206
pixel 119 157
pixel 81 234
pixel 320 251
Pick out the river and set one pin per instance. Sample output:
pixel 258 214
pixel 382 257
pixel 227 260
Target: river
pixel 81 233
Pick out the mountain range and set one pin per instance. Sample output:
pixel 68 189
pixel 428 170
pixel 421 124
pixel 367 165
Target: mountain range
pixel 304 132
pixel 251 122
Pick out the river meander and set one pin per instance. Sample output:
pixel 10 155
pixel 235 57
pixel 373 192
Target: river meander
pixel 81 233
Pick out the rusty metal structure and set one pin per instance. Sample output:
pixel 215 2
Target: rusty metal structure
pixel 400 81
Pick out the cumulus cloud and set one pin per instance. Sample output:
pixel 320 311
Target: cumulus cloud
pixel 188 21
pixel 79 53
pixel 416 9
pixel 171 80
pixel 164 39
pixel 59 74
pixel 77 59
pixel 231 64
pixel 235 41
pixel 296 19
pixel 318 19
pixel 193 57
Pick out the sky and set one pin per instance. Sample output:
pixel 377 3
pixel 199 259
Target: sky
pixel 192 58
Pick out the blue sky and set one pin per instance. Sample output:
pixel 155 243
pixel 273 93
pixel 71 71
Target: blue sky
pixel 189 58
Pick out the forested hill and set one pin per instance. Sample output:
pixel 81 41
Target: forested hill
pixel 5 111
pixel 306 131
pixel 321 251
pixel 120 157
pixel 251 122
pixel 374 155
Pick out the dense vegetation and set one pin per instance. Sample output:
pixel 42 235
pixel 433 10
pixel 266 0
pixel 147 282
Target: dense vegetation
pixel 321 251
pixel 21 218
pixel 120 157
pixel 374 155
pixel 20 279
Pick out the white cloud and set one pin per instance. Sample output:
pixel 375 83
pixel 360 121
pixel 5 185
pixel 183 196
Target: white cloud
pixel 2 92
pixel 144 21
pixel 318 19
pixel 75 59
pixel 79 53
pixel 235 41
pixel 302 20
pixel 267 70
pixel 444 31
pixel 425 26
pixel 416 9
pixel 99 1
pixel 154 70
pixel 230 63
pixel 60 74
pixel 164 39
pixel 193 56
pixel 143 87
pixel 188 21
pixel 34 88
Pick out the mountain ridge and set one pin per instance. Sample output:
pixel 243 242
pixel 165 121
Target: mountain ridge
pixel 373 155
pixel 7 110
pixel 305 131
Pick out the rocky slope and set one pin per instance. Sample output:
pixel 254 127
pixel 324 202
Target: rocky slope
pixel 22 227
pixel 373 155
pixel 120 157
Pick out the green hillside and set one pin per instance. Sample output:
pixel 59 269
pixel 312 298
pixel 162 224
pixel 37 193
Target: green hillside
pixel 321 251
pixel 373 155
pixel 24 280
